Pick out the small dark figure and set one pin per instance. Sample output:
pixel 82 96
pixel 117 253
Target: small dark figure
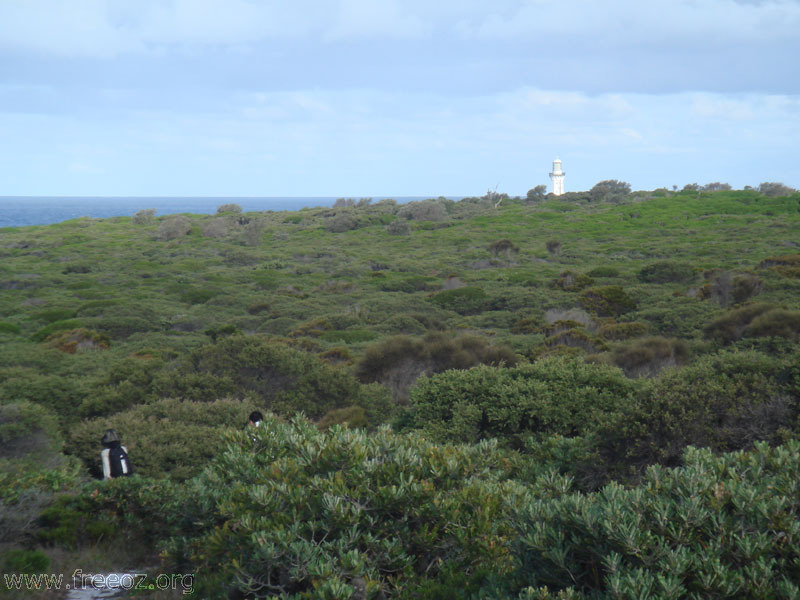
pixel 114 456
pixel 255 418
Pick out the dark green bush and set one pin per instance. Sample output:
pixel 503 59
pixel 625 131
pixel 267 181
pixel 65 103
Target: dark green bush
pixel 622 331
pixel 415 283
pixel 724 402
pixel 28 430
pixel 609 301
pixel 775 323
pixel 398 361
pixel 168 438
pixel 9 328
pixel 648 356
pixel 572 282
pixel 666 272
pixel 25 561
pixel 603 272
pixel 272 374
pixel 55 314
pixel 468 300
pixel 732 325
pixel 349 336
pixel 503 247
pixel 552 396
pixel 60 394
pixel 45 332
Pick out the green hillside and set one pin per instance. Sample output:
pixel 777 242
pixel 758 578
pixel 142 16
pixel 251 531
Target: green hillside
pixel 480 384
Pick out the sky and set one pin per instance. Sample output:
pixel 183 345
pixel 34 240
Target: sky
pixel 365 98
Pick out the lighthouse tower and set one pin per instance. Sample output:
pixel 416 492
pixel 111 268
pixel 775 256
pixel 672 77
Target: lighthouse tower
pixel 558 178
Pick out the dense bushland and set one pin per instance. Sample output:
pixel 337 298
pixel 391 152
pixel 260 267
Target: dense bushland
pixel 536 356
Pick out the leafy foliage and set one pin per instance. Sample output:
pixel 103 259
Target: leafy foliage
pixel 552 396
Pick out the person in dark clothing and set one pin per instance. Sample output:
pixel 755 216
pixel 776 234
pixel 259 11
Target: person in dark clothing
pixel 114 456
pixel 255 418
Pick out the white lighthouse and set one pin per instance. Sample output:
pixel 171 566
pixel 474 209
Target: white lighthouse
pixel 558 178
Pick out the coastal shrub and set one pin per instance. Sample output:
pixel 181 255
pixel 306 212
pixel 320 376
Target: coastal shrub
pixel 349 336
pixel 409 285
pixel 145 216
pixel 732 325
pixel 215 228
pixel 341 223
pixel 503 247
pixel 271 374
pixel 349 416
pixel 61 394
pixel 724 402
pixel 398 362
pixel 787 265
pixel 25 561
pixel 166 438
pixel 608 301
pixel 622 331
pixel 572 282
pixel 575 337
pixel 346 514
pixel 603 272
pixel 229 208
pixel 28 430
pixel 173 228
pixel 122 327
pixel 78 340
pixel 647 356
pixel 404 324
pixel 554 395
pixel 399 227
pixel 527 325
pixel 666 272
pixel 554 247
pixel 424 210
pixel 54 327
pixel 469 300
pixel 609 190
pixel 717 527
pixel 745 287
pixel 10 328
pixel 777 322
pixel 55 314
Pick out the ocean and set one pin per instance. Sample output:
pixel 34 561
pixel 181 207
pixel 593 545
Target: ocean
pixel 18 211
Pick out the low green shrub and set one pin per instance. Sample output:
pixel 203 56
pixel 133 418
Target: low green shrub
pixel 724 402
pixel 468 300
pixel 603 272
pixel 732 325
pixel 554 395
pixel 666 272
pixel 777 322
pixel 9 328
pixel 47 331
pixel 349 336
pixel 78 340
pixel 25 561
pixel 608 301
pixel 572 282
pixel 54 314
pixel 271 374
pixel 167 438
pixel 622 331
pixel 648 356
pixel 399 361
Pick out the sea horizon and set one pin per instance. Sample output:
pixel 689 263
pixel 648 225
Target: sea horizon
pixel 26 211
